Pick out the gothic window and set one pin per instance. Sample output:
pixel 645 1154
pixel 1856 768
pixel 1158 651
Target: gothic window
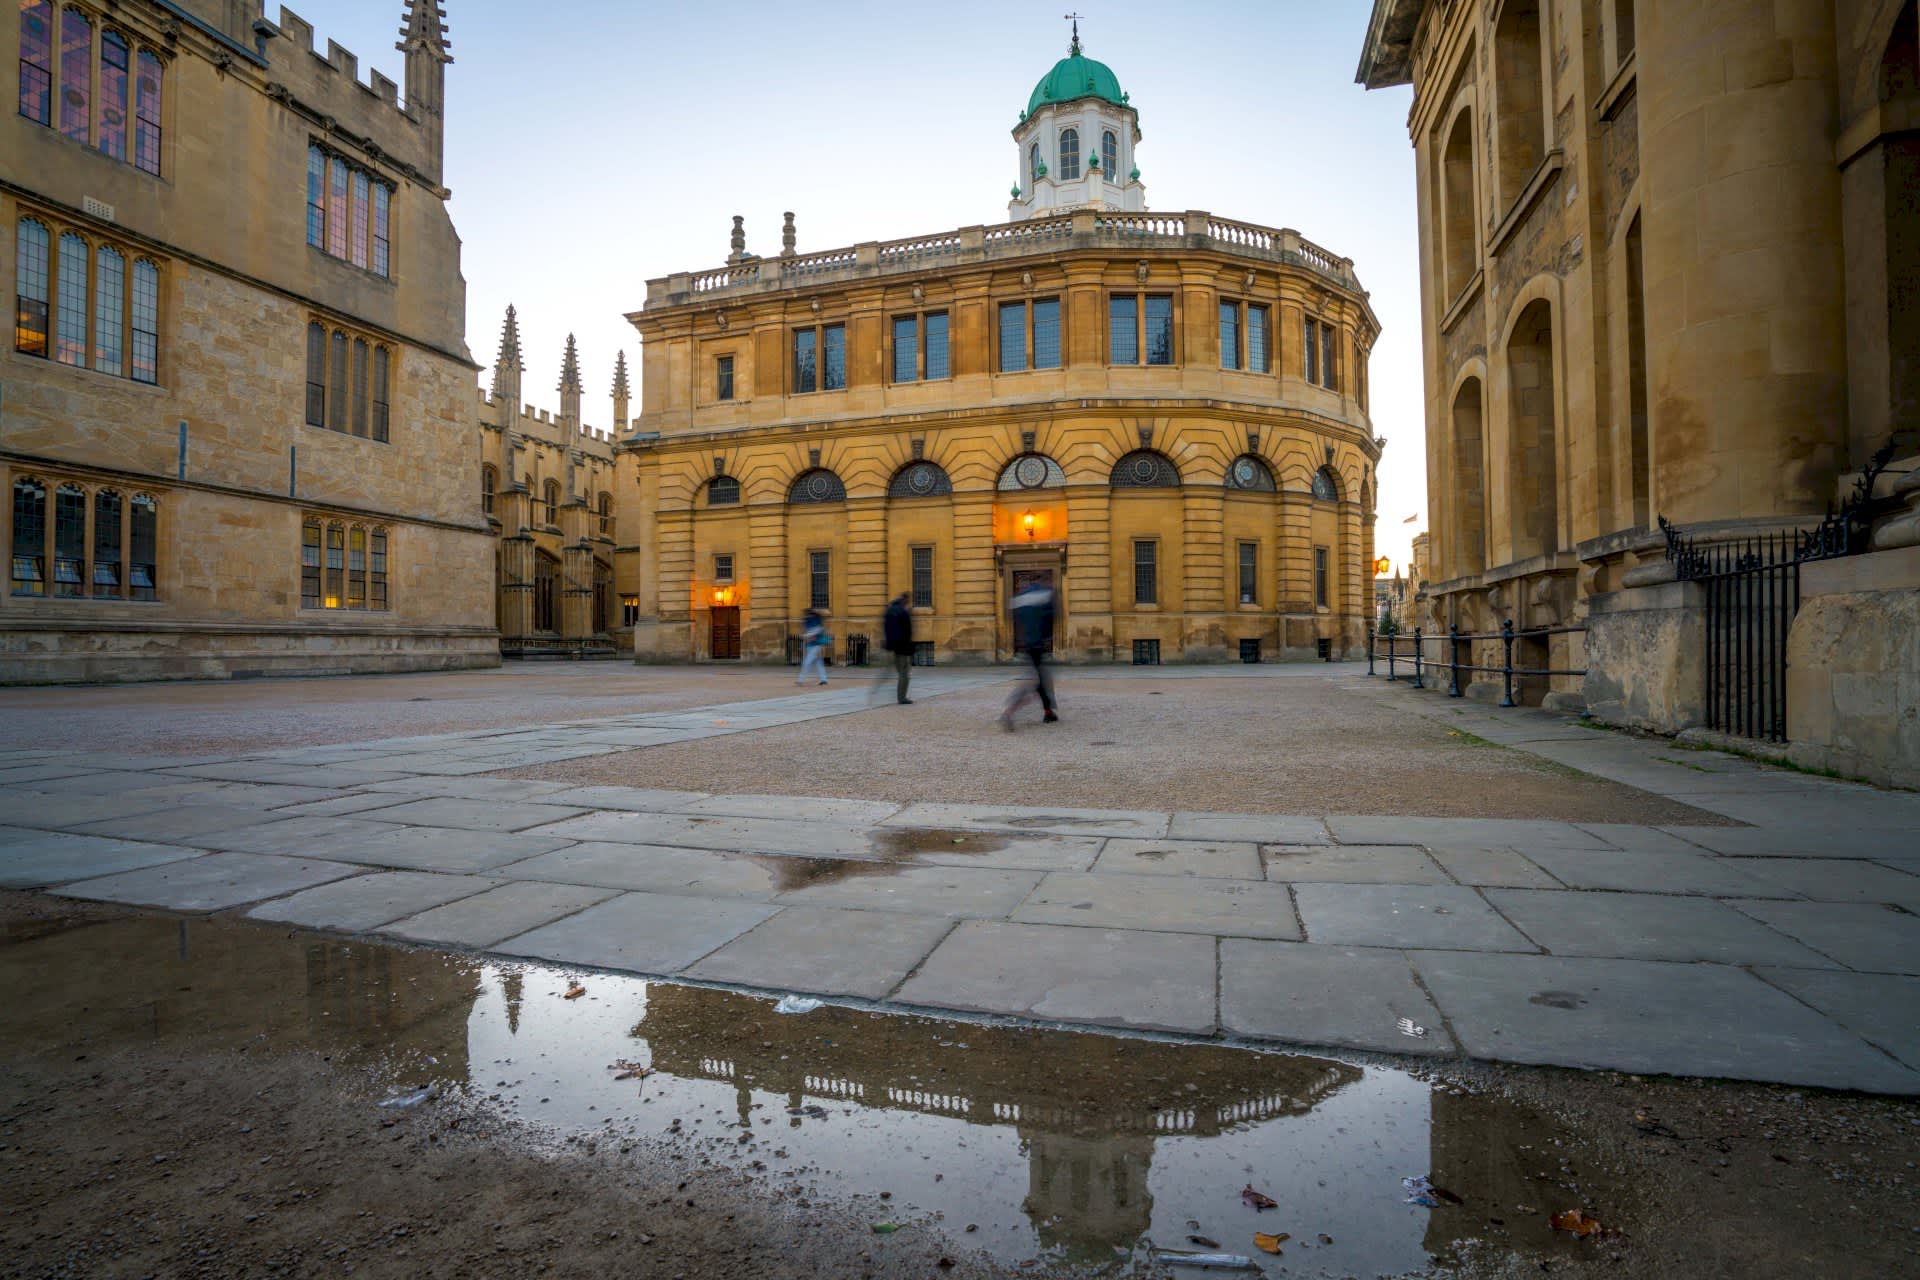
pixel 341 566
pixel 76 74
pixel 817 485
pixel 1069 154
pixel 109 301
pixel 551 501
pixel 115 60
pixel 1250 474
pixel 1032 471
pixel 1110 155
pixel 72 303
pixel 347 210
pixel 337 382
pixel 143 544
pixel 29 538
pixel 316 374
pixel 79 552
pixel 30 296
pixel 919 480
pixel 146 117
pixel 348 379
pixel 380 362
pixel 70 319
pixel 107 557
pixel 93 86
pixel 602 597
pixel 36 61
pixel 360 386
pixel 546 578
pixel 1325 486
pixel 606 515
pixel 489 485
pixel 69 540
pixel 723 491
pixel 1145 469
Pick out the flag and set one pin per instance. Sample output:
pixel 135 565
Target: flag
pixel 1410 519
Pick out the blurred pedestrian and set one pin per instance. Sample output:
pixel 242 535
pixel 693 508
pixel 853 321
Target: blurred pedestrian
pixel 813 646
pixel 898 625
pixel 1033 614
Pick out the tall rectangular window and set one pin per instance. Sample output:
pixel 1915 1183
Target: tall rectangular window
pixel 819 580
pixel 377 569
pixel 336 565
pixel 1013 337
pixel 1046 333
pixel 29 538
pixel 146 113
pixel 360 386
pixel 723 566
pixel 337 382
pixel 76 74
pixel 1249 573
pixel 1259 353
pixel 805 343
pixel 935 336
pixel 30 290
pixel 1123 329
pixel 337 183
pixel 723 378
pixel 380 372
pixel 1329 351
pixel 316 376
pixel 316 197
pixel 106 543
pixel 382 194
pixel 356 568
pixel 69 541
pixel 833 357
pixel 310 565
pixel 143 546
pixel 1159 329
pixel 1229 335
pixel 1310 352
pixel 70 317
pixel 906 348
pixel 357 233
pixel 114 99
pixel 1146 572
pixel 36 61
pixel 1320 576
pixel 109 299
pixel 923 577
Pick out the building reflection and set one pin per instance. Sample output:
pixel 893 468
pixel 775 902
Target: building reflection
pixel 1088 1108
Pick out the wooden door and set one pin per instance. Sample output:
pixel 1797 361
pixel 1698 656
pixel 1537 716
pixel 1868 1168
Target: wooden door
pixel 723 631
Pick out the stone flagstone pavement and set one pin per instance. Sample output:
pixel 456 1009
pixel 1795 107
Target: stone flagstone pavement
pixel 1785 950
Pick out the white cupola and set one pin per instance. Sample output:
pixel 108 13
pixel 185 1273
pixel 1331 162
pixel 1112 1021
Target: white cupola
pixel 1076 141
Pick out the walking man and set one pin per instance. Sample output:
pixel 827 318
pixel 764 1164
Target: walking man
pixel 1033 614
pixel 813 646
pixel 898 625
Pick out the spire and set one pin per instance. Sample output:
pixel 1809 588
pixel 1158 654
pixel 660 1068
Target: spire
pixel 425 29
pixel 1073 50
pixel 423 38
pixel 620 376
pixel 570 368
pixel 506 365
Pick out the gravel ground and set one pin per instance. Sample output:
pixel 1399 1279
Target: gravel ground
pixel 1254 745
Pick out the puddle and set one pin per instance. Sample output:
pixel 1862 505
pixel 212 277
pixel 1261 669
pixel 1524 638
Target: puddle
pixel 905 842
pixel 1073 1148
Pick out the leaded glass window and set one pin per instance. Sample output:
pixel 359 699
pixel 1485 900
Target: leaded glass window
pixel 833 357
pixel 356 568
pixel 919 480
pixel 1325 487
pixel 1013 337
pixel 1123 329
pixel 1251 474
pixel 1110 155
pixel 337 382
pixel 1145 469
pixel 145 314
pixel 935 335
pixel 817 485
pixel 69 541
pixel 1159 329
pixel 551 491
pixel 114 88
pixel 106 543
pixel 1069 154
pixel 381 360
pixel 109 300
pixel 723 491
pixel 819 579
pixel 336 565
pixel 1146 571
pixel 723 378
pixel 70 317
pixel 143 567
pixel 30 297
pixel 1032 471
pixel 360 386
pixel 316 197
pixel 489 486
pixel 1229 335
pixel 377 569
pixel 337 183
pixel 1249 573
pixel 1033 164
pixel 1046 333
pixel 36 61
pixel 29 538
pixel 382 195
pixel 76 74
pixel 923 577
pixel 1259 354
pixel 1329 362
pixel 1310 352
pixel 310 565
pixel 316 375
pixel 146 117
pixel 1320 577
pixel 805 344
pixel 906 348
pixel 357 231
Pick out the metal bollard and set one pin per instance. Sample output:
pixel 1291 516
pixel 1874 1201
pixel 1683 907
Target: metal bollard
pixel 1453 657
pixel 1371 635
pixel 1506 642
pixel 1393 649
pixel 1419 649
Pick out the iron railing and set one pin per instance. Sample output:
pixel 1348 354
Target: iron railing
pixel 1507 635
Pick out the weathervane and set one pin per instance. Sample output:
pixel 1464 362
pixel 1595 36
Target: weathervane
pixel 1073 50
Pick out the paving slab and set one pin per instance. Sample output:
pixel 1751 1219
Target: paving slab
pixel 20 775
pixel 1352 864
pixel 967 848
pixel 1133 823
pixel 1832 840
pixel 356 802
pixel 1860 935
pixel 1236 908
pixel 211 883
pixel 442 765
pixel 439 848
pixel 1836 879
pixel 1392 915
pixel 801 808
pixel 324 837
pixel 707 831
pixel 632 799
pixel 473 788
pixel 1493 868
pixel 1114 977
pixel 1462 833
pixel 180 824
pixel 630 739
pixel 366 902
pixel 1642 926
pixel 647 933
pixel 1648 1016
pixel 30 859
pixel 1210 859
pixel 1257 828
pixel 1664 872
pixel 285 774
pixel 700 873
pixel 1881 1008
pixel 38 809
pixel 950 892
pixel 1351 997
pixel 477 815
pixel 497 914
pixel 1622 835
pixel 104 783
pixel 826 951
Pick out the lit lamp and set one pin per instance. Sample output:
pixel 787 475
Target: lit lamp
pixel 1026 522
pixel 1381 567
pixel 723 596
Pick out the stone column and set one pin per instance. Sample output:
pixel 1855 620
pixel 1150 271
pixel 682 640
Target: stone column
pixel 576 570
pixel 1294 564
pixel 867 587
pixel 1203 511
pixel 1090 576
pixel 765 622
pixel 974 571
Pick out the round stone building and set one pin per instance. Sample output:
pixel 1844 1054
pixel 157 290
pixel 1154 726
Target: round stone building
pixel 1164 414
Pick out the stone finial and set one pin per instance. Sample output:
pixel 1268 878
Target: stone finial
pixel 787 236
pixel 620 376
pixel 509 341
pixel 737 243
pixel 424 28
pixel 570 368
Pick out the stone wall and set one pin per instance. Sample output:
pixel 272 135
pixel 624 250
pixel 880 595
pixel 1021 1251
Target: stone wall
pixel 1853 667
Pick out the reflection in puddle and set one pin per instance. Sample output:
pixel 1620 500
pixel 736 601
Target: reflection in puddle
pixel 1074 1147
pixel 894 848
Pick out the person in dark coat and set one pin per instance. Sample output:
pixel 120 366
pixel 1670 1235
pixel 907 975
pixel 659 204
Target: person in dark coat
pixel 898 626
pixel 1033 614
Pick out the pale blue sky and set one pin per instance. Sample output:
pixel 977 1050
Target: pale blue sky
pixel 610 142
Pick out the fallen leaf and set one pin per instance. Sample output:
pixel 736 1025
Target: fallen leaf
pixel 885 1228
pixel 1257 1199
pixel 1204 1242
pixel 1268 1244
pixel 1579 1222
pixel 574 992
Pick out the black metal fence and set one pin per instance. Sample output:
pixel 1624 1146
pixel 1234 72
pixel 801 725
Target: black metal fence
pixel 1416 657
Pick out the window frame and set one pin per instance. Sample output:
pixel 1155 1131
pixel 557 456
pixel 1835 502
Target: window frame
pixel 1069 157
pixel 351 222
pixel 723 566
pixel 723 377
pixel 1248 561
pixel 1142 349
pixel 820 580
pixel 1322 595
pixel 100 85
pixel 79 554
pixel 1146 572
pixel 68 302
pixel 1029 309
pixel 344 565
pixel 818 337
pixel 919 569
pixel 352 394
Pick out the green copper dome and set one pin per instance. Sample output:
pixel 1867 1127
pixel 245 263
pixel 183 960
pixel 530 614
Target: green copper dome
pixel 1076 76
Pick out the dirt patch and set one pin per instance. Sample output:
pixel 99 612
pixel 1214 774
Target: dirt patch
pixel 1297 745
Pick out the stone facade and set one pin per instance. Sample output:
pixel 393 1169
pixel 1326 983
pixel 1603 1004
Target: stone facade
pixel 223 448
pixel 1667 263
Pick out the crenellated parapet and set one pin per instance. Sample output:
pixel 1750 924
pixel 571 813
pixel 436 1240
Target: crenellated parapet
pixel 370 117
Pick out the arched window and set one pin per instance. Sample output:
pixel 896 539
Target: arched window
pixel 1069 154
pixel 817 485
pixel 69 541
pixel 109 299
pixel 723 491
pixel 70 319
pixel 106 543
pixel 76 74
pixel 606 519
pixel 1250 474
pixel 1032 471
pixel 1110 156
pixel 1144 469
pixel 1034 167
pixel 919 480
pixel 546 578
pixel 1532 462
pixel 1465 548
pixel 36 61
pixel 143 549
pixel 1326 486
pixel 552 501
pixel 360 354
pixel 115 59
pixel 337 382
pixel 30 324
pixel 29 577
pixel 489 485
pixel 381 363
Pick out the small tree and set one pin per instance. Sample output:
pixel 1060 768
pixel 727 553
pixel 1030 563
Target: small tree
pixel 1389 625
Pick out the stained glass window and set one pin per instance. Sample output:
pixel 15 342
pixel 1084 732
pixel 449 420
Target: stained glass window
pixel 114 63
pixel 146 119
pixel 1046 333
pixel 76 74
pixel 30 298
pixel 1123 329
pixel 36 61
pixel 936 340
pixel 1159 329
pixel 70 321
pixel 109 297
pixel 1013 337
